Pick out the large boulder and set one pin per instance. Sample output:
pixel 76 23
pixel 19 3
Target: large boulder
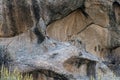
pixel 61 39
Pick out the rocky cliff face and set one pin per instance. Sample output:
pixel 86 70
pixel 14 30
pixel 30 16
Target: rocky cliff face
pixel 61 40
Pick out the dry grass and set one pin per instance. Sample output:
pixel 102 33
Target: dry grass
pixel 7 75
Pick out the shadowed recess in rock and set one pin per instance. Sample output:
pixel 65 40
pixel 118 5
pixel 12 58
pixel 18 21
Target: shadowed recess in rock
pixel 46 75
pixel 36 9
pixel 40 37
pixel 91 70
pixel 81 65
pixel 116 8
pixel 114 61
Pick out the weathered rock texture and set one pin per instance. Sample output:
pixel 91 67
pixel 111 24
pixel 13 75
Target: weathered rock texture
pixel 61 39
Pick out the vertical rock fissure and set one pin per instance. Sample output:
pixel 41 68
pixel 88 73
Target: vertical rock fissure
pixel 36 10
pixel 91 70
